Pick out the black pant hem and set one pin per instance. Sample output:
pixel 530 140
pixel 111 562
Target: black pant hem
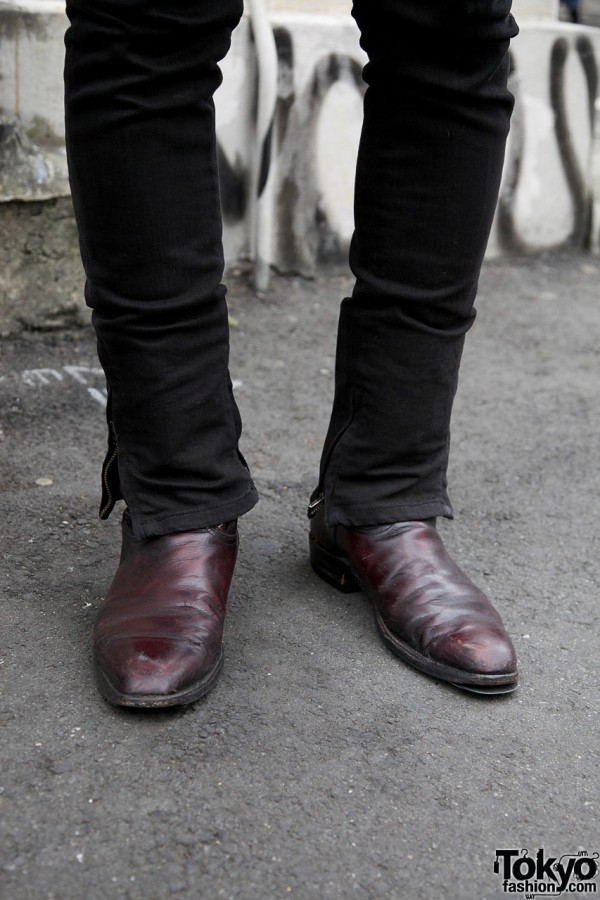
pixel 193 519
pixel 362 516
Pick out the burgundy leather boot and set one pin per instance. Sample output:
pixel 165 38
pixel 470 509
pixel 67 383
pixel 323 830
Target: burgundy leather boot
pixel 429 613
pixel 157 638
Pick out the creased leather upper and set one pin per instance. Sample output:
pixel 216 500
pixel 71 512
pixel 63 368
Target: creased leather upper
pixel 160 627
pixel 423 597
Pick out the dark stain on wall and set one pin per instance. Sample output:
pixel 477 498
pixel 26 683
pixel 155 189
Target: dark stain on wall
pixel 575 177
pixel 233 181
pixel 573 174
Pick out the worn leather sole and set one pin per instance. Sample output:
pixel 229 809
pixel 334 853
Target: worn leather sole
pixel 337 571
pixel 160 701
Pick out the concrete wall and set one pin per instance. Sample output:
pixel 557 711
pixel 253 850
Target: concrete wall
pixel 32 153
pixel 546 200
pixel 535 9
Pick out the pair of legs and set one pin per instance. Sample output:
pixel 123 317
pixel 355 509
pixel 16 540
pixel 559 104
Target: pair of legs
pixel 140 78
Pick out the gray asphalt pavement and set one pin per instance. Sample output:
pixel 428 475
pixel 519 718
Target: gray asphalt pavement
pixel 320 766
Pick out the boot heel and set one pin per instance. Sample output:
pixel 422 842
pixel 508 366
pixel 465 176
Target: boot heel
pixel 332 569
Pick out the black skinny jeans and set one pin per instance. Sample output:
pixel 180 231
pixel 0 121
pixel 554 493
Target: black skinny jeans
pixel 140 76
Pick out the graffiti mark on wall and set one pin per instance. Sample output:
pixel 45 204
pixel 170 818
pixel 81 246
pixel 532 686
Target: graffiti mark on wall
pixel 318 112
pixel 575 176
pixel 313 199
pixel 545 201
pixel 548 158
pixel 234 181
pixel 312 202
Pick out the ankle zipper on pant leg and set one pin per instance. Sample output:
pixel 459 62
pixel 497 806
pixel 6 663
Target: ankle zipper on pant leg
pixel 111 487
pixel 317 498
pixel 316 502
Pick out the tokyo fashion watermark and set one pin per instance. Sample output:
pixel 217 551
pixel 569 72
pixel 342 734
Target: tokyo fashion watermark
pixel 538 874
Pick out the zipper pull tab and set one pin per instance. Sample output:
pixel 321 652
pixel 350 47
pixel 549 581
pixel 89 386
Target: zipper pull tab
pixel 315 505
